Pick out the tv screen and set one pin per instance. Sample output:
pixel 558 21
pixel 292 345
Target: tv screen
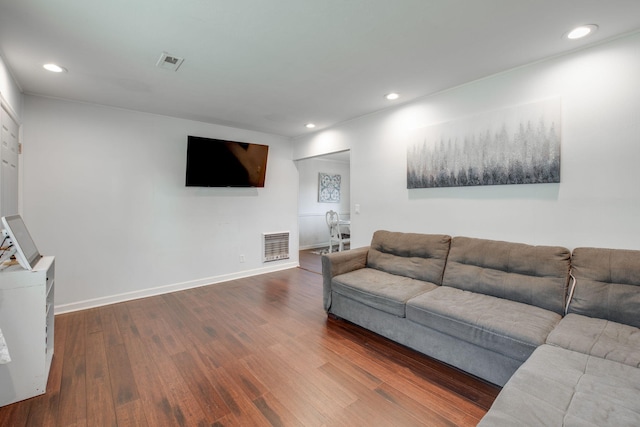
pixel 26 251
pixel 221 163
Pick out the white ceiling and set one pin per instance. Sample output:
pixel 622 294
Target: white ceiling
pixel 274 65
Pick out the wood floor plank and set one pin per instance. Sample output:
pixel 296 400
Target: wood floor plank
pixel 331 392
pixel 242 410
pixel 44 408
pixel 297 400
pixel 257 351
pixel 428 412
pixel 175 398
pixel 160 406
pixel 275 412
pixel 73 393
pixel 187 321
pixel 17 414
pixel 244 380
pixel 100 406
pixel 123 385
pixel 206 395
pixel 94 320
pixel 131 414
pixel 110 328
pixel 125 325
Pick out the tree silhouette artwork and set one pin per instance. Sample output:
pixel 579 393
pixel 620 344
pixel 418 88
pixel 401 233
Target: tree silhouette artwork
pixel 523 147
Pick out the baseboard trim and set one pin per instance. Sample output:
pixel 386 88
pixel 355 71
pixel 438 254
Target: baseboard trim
pixel 143 293
pixel 316 246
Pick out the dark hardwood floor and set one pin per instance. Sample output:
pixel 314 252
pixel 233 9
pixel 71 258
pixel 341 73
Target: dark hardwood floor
pixel 310 261
pixel 250 352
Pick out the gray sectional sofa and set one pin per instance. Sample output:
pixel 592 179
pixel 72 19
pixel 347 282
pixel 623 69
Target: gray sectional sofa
pixel 558 330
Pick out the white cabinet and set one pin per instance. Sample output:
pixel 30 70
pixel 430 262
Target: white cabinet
pixel 9 152
pixel 26 320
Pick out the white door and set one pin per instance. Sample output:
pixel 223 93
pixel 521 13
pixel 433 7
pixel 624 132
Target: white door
pixel 9 164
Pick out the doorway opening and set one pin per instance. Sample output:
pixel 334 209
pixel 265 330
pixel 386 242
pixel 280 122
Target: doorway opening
pixel 331 173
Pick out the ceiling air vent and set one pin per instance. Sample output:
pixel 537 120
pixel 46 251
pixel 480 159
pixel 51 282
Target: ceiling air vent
pixel 169 62
pixel 275 246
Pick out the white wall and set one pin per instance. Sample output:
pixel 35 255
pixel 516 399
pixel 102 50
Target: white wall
pixel 104 192
pixel 312 224
pixel 597 202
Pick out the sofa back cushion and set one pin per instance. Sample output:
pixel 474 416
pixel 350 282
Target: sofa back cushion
pixel 419 256
pixel 535 275
pixel 607 284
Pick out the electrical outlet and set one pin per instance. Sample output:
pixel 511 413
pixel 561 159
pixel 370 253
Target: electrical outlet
pixel 241 258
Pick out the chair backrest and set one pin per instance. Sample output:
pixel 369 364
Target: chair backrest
pixel 333 219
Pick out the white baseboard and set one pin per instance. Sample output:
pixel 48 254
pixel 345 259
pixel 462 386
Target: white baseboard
pixel 316 246
pixel 128 296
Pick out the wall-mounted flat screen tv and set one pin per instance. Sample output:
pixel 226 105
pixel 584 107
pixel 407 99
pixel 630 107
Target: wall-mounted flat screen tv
pixel 221 163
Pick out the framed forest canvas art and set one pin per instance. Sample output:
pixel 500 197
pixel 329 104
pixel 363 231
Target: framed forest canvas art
pixel 518 145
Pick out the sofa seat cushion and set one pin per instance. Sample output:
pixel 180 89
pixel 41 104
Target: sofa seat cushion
pixel 559 387
pixel 380 290
pixel 507 327
pixel 598 337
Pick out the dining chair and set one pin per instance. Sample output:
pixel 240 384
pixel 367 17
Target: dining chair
pixel 336 235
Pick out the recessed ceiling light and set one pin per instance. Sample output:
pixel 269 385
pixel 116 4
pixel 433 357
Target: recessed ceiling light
pixel 391 96
pixel 310 125
pixel 581 31
pixel 54 68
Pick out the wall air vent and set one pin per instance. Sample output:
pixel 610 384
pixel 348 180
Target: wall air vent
pixel 275 246
pixel 169 62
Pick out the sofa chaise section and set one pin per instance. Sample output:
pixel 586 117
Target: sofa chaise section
pixel 598 337
pixel 560 387
pixel 588 372
pixel 603 315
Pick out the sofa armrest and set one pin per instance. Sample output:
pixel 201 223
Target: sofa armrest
pixel 337 263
